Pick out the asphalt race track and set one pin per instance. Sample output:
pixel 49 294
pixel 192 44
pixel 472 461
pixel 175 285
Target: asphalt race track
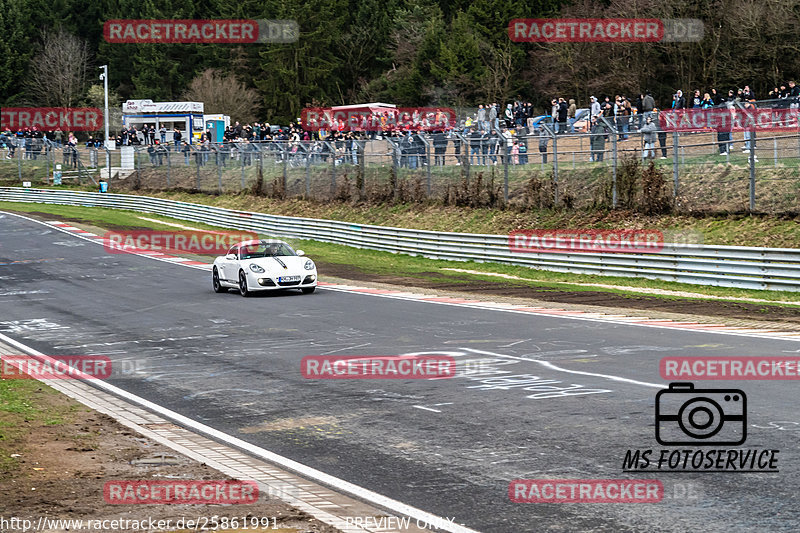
pixel 447 446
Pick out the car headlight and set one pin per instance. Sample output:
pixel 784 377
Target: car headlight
pixel 255 268
pixel 309 265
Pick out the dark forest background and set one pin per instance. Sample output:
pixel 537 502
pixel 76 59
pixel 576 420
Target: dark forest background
pixel 411 53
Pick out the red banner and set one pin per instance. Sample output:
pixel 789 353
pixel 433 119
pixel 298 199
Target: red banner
pixel 52 118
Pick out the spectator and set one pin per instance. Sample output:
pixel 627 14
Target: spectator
pixel 598 139
pixel 716 98
pixel 509 117
pixel 523 148
pixel 481 118
pixel 678 101
pixel 662 137
pixel 544 137
pixel 571 110
pixel 186 152
pixel 793 94
pixel 563 111
pixel 594 107
pixel 707 102
pixel 177 136
pixel 649 136
pixel 163 132
pixel 748 94
pixel 648 104
pixel 58 136
pixel 697 102
pixel 475 141
pixel 439 147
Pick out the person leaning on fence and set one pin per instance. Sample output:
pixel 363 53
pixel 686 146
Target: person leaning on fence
pixel 598 139
pixel 544 137
pixel 439 147
pixel 186 151
pixel 649 137
pixel 151 151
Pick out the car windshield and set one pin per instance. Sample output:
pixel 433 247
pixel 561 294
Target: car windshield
pixel 272 249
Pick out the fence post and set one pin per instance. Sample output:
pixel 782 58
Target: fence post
pixel 332 148
pixel 427 160
pixel 465 148
pixel 169 167
pixel 197 164
pixel 775 150
pixel 614 160
pixel 19 162
pixel 362 161
pixel 752 158
pixel 675 169
pixel 554 135
pixel 505 167
pixel 241 162
pixel 285 179
pixel 308 173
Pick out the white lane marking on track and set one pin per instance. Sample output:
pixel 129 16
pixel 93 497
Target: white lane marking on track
pixel 508 308
pixel 551 366
pixel 431 409
pixel 347 348
pixel 301 469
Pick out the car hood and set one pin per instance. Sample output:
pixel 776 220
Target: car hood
pixel 294 264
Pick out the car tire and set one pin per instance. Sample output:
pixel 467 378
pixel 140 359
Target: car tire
pixel 243 284
pixel 215 282
pixel 308 290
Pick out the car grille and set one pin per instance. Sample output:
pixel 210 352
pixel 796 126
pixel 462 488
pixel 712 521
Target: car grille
pixel 288 283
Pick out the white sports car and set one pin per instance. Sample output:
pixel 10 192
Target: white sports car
pixel 263 265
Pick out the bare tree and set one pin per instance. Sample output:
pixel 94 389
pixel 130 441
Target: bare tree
pixel 225 94
pixel 58 74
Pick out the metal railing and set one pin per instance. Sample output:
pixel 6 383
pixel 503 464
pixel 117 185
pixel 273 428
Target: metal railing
pixel 726 266
pixel 701 171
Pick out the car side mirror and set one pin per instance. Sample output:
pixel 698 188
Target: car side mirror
pixel 300 253
pixel 231 257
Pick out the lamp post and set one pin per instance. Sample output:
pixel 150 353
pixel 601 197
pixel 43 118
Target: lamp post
pixel 104 77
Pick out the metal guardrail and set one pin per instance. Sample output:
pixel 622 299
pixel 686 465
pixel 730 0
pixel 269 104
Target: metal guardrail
pixel 726 266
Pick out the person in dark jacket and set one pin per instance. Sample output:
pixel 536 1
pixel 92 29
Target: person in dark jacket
pixel 598 140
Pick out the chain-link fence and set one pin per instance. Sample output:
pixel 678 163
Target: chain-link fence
pixel 603 167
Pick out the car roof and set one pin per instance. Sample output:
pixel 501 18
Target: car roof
pixel 255 242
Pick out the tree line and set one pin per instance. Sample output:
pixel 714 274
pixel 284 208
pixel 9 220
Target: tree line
pixel 408 52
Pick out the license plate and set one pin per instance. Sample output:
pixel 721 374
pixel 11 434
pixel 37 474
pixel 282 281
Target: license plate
pixel 289 278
